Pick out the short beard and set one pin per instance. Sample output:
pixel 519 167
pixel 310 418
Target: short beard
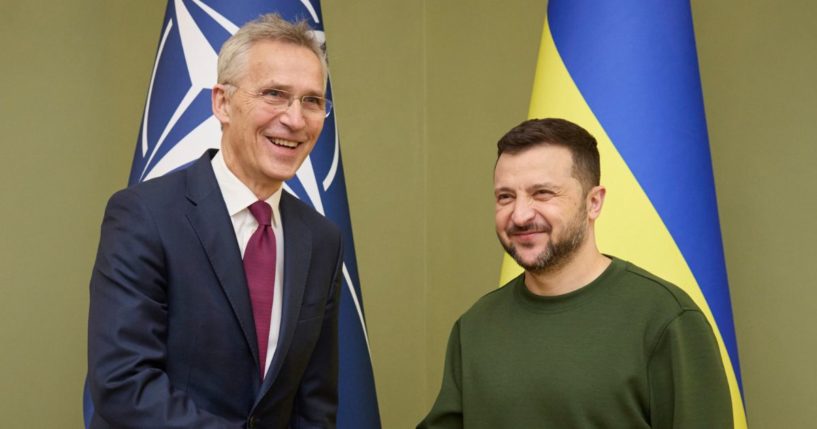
pixel 556 253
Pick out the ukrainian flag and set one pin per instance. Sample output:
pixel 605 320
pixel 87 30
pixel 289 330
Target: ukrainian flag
pixel 627 71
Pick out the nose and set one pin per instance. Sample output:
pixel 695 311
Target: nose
pixel 523 211
pixel 293 116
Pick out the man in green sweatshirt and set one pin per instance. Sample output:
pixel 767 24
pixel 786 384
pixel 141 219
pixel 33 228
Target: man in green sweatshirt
pixel 580 339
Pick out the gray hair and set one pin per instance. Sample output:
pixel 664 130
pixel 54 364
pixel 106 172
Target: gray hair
pixel 232 57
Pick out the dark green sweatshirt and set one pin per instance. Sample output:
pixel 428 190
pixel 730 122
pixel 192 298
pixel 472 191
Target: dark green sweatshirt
pixel 628 350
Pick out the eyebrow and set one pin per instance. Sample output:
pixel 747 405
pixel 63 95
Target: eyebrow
pixel 288 88
pixel 544 185
pixel 274 84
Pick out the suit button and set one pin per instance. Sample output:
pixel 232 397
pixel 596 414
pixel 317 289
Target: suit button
pixel 252 422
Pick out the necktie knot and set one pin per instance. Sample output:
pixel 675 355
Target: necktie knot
pixel 262 212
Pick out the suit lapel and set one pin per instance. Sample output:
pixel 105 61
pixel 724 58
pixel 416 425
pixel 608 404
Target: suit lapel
pixel 297 259
pixel 209 218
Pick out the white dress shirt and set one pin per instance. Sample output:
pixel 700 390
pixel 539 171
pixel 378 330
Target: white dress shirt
pixel 238 197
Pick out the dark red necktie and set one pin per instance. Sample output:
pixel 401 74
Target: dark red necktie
pixel 259 267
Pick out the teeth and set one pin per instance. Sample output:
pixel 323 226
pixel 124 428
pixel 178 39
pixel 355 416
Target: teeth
pixel 285 143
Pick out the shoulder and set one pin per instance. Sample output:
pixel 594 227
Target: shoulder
pixel 486 307
pixel 294 206
pixel 161 204
pixel 320 227
pixel 646 287
pixel 651 302
pixel 158 190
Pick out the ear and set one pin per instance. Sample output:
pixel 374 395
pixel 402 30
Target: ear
pixel 595 201
pixel 221 103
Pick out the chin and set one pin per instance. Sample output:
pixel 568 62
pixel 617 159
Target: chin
pixel 528 261
pixel 279 173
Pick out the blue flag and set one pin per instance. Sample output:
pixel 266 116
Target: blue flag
pixel 178 126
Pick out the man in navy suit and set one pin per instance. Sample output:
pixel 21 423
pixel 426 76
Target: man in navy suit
pixel 174 334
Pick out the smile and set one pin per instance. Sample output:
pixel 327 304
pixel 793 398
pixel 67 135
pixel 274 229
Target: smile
pixel 526 233
pixel 525 230
pixel 283 143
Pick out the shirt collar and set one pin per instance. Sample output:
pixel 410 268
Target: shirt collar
pixel 237 196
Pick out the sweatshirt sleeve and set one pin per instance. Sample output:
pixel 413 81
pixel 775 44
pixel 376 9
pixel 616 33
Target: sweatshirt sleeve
pixel 688 387
pixel 447 410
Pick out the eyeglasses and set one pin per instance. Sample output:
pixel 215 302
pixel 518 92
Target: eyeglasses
pixel 279 99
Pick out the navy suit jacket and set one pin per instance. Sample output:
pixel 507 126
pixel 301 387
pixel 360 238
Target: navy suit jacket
pixel 171 338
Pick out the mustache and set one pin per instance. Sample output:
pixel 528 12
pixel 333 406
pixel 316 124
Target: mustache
pixel 528 227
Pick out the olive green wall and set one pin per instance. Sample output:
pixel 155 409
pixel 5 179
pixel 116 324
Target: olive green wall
pixel 378 48
pixel 479 76
pixel 423 90
pixel 72 84
pixel 758 66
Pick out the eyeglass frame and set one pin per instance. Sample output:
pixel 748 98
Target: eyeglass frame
pixel 290 99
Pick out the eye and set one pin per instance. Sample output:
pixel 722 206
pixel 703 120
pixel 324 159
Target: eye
pixel 504 198
pixel 543 194
pixel 275 96
pixel 312 102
